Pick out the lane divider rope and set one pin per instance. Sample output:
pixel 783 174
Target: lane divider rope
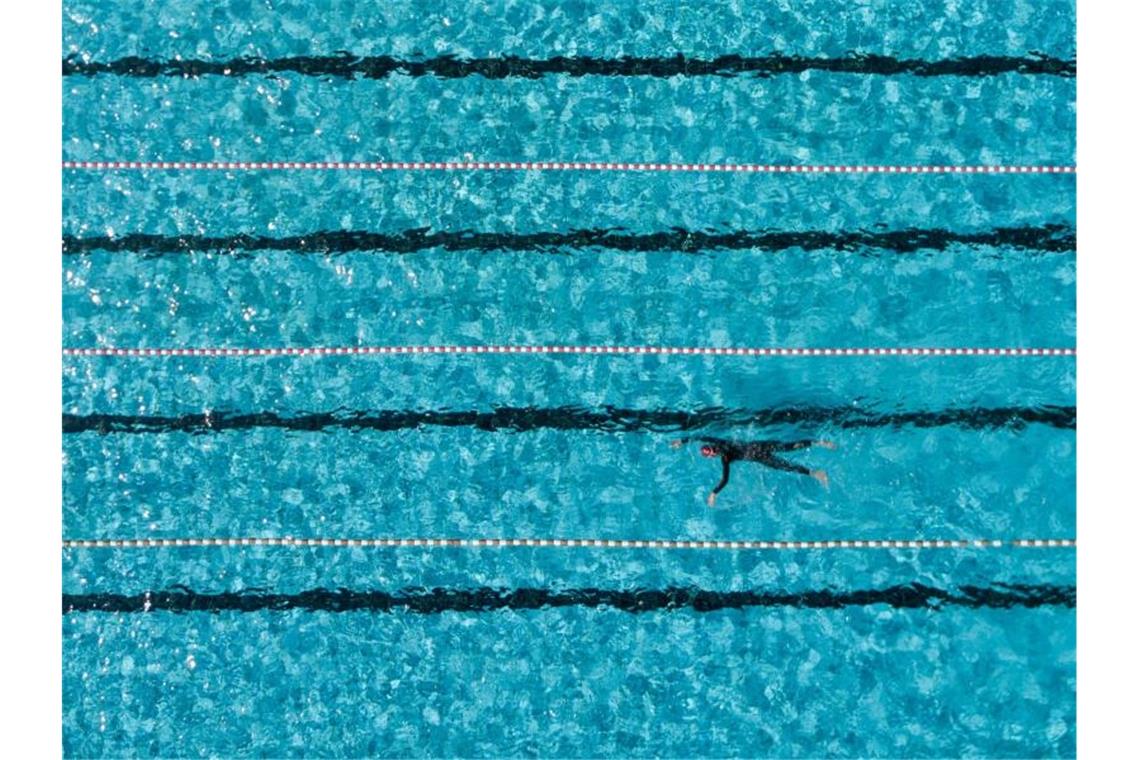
pixel 571 543
pixel 517 349
pixel 562 166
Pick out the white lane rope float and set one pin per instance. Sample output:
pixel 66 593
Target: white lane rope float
pixel 382 166
pixel 565 349
pixel 566 543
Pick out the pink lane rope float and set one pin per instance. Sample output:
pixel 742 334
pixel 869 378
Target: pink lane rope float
pixel 595 350
pixel 568 543
pixel 380 166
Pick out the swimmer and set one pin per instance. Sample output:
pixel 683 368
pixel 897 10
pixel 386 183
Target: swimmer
pixel 763 452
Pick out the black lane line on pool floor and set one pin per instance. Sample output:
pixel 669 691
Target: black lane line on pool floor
pixel 1049 238
pixel 347 66
pixel 484 599
pixel 607 419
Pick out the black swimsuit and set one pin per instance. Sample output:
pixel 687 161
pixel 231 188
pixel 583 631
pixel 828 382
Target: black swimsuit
pixel 763 452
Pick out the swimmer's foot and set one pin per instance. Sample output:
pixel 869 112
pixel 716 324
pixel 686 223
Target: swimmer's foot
pixel 826 444
pixel 677 443
pixel 712 500
pixel 821 476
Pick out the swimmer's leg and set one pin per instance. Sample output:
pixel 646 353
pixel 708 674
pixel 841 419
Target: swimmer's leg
pixel 777 463
pixel 797 445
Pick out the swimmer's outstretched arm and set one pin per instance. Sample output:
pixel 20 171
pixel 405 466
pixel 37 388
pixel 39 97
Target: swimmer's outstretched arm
pixel 725 465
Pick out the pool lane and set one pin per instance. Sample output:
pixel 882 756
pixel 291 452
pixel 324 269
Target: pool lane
pixel 926 447
pixel 885 483
pixel 966 295
pixel 817 261
pixel 810 118
pixel 793 682
pixel 454 27
pixel 296 385
pixel 112 204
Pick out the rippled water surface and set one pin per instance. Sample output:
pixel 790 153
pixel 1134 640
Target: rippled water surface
pixel 493 652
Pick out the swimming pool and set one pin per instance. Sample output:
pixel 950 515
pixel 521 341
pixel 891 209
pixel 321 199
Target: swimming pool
pixel 328 490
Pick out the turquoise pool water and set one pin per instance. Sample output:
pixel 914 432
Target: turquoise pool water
pixel 948 652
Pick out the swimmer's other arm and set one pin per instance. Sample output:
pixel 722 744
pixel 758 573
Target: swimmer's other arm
pixel 723 481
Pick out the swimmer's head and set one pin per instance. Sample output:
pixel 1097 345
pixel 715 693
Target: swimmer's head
pixel 708 451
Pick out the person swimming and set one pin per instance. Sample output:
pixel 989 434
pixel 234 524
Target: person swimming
pixel 763 452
